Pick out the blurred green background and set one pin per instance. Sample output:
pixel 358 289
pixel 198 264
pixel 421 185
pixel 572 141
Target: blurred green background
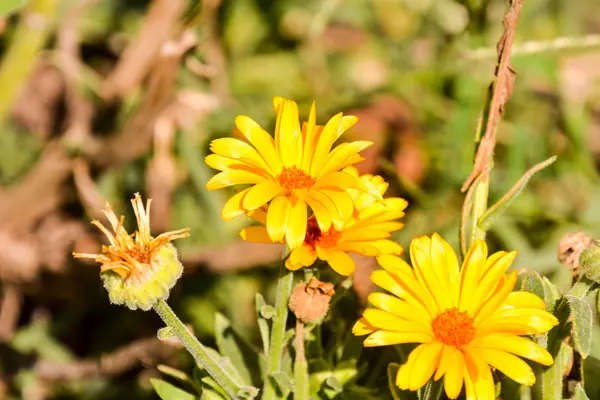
pixel 100 99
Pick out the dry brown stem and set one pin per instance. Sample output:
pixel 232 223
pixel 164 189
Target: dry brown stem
pixel 501 91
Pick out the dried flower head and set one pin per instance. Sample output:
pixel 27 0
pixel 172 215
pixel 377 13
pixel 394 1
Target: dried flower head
pixel 137 269
pixel 570 247
pixel 311 302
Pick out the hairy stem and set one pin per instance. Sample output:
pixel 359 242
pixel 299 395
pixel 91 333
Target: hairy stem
pixel 301 383
pixel 196 349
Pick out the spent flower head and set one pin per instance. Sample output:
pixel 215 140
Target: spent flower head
pixel 466 321
pixel 292 172
pixel 137 269
pixel 366 232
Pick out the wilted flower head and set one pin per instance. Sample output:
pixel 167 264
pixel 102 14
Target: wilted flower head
pixel 466 321
pixel 296 170
pixel 366 232
pixel 137 269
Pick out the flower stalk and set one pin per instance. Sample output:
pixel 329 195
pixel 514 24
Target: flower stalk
pixel 301 379
pixel 196 349
pixel 284 289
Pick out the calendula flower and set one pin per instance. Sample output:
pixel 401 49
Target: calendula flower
pixel 366 232
pixel 294 171
pixel 467 320
pixel 138 269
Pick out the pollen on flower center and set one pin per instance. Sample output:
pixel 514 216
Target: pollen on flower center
pixel 294 178
pixel 453 327
pixel 315 237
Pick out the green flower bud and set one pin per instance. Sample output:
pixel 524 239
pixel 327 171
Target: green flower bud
pixel 138 270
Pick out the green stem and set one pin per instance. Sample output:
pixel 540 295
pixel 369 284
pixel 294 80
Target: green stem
pixel 196 349
pixel 284 290
pixel 301 381
pixel 19 61
pixel 480 201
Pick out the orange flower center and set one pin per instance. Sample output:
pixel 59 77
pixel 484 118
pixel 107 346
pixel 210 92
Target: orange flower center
pixel 453 327
pixel 315 237
pixel 294 178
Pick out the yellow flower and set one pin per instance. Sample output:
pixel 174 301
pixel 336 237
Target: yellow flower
pixel 296 170
pixel 366 232
pixel 137 269
pixel 467 320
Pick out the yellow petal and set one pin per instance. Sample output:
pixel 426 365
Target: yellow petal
pixel 490 280
pixel 261 194
pixel 385 338
pixel 309 138
pixel 321 213
pixel 401 281
pixel 232 177
pixel 277 217
pixel 498 297
pixel 510 365
pixel 425 365
pixel 403 376
pixel 342 201
pixel 233 207
pixel 325 141
pixel 338 158
pixel 224 163
pixel 388 247
pixel 303 255
pixel 364 234
pixel 362 327
pixel 390 322
pixel 261 140
pixel 296 228
pixel 256 234
pixel 422 258
pixel 453 380
pixel 479 373
pixel 366 249
pixel 291 266
pixel 471 272
pixel 240 150
pixel 517 345
pixel 532 320
pixel 399 308
pixel 289 134
pixel 341 262
pixel 524 300
pixel 336 180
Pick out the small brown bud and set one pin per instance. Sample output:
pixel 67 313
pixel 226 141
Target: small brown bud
pixel 570 247
pixel 311 302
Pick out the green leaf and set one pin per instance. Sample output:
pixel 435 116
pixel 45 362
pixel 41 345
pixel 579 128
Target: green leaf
pixel 579 393
pixel 494 212
pixel 283 382
pixel 582 324
pixel 230 346
pixel 166 391
pixel 541 287
pixel 165 333
pixel 263 325
pixel 551 294
pixel 173 373
pixel 549 381
pixel 10 6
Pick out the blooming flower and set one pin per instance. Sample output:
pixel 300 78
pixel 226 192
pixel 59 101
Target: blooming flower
pixel 467 320
pixel 366 232
pixel 137 269
pixel 296 170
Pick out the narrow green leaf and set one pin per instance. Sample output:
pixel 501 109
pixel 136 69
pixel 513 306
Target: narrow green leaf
pixel 167 391
pixel 493 213
pixel 263 325
pixel 533 283
pixel 10 6
pixel 227 365
pixel 579 393
pixel 468 224
pixel 551 294
pixel 229 346
pixel 582 324
pixel 173 373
